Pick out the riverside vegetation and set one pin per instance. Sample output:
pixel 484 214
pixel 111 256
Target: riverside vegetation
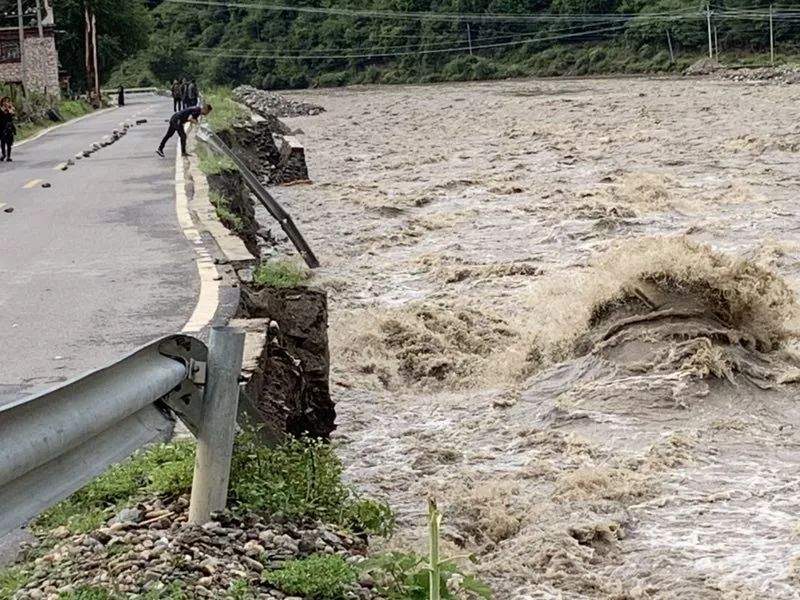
pixel 147 42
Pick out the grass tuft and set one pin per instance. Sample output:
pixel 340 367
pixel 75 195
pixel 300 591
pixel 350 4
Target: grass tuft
pixel 318 577
pixel 226 112
pixel 212 163
pixel 280 274
pixel 224 213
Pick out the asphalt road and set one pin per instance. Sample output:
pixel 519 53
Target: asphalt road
pixel 96 264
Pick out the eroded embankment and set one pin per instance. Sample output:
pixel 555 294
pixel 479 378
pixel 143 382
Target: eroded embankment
pixel 567 310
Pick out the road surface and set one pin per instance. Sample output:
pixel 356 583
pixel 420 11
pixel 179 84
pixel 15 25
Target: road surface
pixel 96 264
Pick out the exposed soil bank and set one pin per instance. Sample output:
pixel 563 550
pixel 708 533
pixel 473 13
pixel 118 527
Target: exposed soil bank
pixel 568 309
pixel 290 394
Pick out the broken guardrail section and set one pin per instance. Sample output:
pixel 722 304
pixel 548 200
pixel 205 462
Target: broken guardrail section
pixel 57 441
pixel 272 205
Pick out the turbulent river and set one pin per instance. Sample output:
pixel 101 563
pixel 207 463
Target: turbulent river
pixel 567 310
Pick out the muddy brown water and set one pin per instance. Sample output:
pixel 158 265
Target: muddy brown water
pixel 469 234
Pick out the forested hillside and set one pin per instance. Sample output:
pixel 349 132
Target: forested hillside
pixel 333 42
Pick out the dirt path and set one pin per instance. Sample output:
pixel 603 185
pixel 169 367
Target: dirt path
pixel 527 324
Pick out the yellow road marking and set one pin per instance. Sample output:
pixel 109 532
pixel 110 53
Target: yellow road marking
pixel 32 184
pixel 2 204
pixel 60 166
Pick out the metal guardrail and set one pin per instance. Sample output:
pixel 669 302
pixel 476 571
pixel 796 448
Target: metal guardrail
pixel 56 441
pixel 272 205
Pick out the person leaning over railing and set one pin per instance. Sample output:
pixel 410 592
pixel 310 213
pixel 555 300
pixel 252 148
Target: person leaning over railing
pixel 176 123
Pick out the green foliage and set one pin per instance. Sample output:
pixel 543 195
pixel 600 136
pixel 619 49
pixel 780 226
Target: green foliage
pixel 212 163
pixel 88 593
pixel 406 576
pixel 226 112
pixel 164 469
pixel 241 590
pixel 123 29
pixel 280 274
pixel 222 206
pixel 300 479
pixel 11 580
pixel 318 577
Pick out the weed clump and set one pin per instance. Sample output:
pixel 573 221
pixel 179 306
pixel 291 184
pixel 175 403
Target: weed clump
pixel 299 479
pixel 280 274
pixel 318 577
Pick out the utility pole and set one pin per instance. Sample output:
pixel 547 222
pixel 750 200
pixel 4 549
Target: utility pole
pixel 671 53
pixel 708 20
pixel 39 17
pixel 92 75
pixel 716 42
pixel 22 61
pixel 469 37
pixel 771 39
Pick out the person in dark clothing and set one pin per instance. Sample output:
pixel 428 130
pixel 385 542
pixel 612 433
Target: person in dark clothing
pixel 185 94
pixel 177 96
pixel 121 96
pixel 7 128
pixel 177 122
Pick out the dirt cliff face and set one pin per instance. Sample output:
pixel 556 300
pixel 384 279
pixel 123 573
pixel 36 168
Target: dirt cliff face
pixel 290 394
pixel 230 186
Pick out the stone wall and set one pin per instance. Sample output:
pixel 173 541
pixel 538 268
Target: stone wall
pixel 42 65
pixel 41 57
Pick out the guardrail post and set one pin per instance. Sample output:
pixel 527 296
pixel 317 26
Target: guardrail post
pixel 218 426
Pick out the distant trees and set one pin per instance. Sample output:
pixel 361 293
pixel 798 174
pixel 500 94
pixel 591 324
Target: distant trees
pixel 231 44
pixel 123 28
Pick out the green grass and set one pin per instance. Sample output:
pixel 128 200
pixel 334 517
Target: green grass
pixel 212 163
pixel 226 112
pixel 165 469
pixel 11 580
pixel 224 213
pixel 299 479
pixel 319 577
pixel 280 274
pixel 69 109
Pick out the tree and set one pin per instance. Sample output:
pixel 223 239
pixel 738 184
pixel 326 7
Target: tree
pixel 123 29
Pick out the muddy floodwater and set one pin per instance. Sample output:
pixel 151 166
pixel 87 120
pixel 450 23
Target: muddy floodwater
pixel 566 309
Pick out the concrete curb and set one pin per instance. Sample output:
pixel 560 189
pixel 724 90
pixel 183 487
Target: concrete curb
pixel 230 245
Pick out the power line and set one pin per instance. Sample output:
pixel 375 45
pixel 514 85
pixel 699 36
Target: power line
pixel 425 15
pixel 234 54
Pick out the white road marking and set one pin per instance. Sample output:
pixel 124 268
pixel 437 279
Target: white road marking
pixel 70 122
pixel 60 167
pixel 32 183
pixel 208 301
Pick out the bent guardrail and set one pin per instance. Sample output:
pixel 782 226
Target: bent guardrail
pixel 56 441
pixel 273 207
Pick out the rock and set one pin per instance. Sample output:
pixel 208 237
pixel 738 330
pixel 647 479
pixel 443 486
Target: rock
pixel 61 533
pixel 253 548
pixel 127 515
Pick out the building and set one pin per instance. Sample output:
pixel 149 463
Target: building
pixel 35 69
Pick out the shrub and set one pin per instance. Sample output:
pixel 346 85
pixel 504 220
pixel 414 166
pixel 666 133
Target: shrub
pixel 280 274
pixel 301 479
pixel 320 577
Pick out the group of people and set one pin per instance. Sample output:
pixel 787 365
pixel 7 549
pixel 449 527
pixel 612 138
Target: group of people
pixel 7 128
pixel 184 94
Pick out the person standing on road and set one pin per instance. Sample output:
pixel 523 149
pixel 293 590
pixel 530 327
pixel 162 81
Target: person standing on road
pixel 177 95
pixel 176 125
pixel 121 96
pixel 191 93
pixel 184 94
pixel 7 128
